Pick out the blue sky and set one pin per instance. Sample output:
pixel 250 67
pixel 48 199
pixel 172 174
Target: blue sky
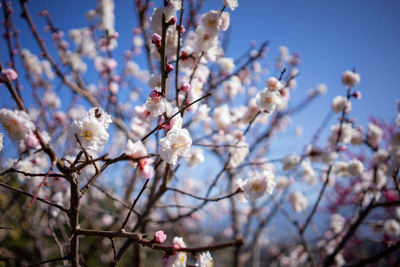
pixel 331 36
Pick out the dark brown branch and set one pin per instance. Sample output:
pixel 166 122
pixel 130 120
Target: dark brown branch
pixel 150 244
pixel 114 251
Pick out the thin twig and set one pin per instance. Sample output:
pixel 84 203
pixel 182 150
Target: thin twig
pixel 134 204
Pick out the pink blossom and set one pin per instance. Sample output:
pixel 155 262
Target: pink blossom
pixel 31 141
pixel 9 75
pixel 159 237
pixel 156 39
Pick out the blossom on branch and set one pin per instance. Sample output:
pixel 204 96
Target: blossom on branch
pixel 258 184
pixel 232 4
pixel 17 124
pixel 91 130
pixel 299 201
pixel 267 100
pixel 176 143
pixel 350 79
pixel 177 259
pixel 205 260
pixel 156 103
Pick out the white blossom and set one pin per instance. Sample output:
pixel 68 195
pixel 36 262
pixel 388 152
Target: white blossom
pixel 107 17
pixel 205 260
pixel 156 103
pixel 281 182
pixel 176 143
pixel 258 184
pixel 321 88
pixel 374 134
pixel 17 124
pixel 267 100
pixel 309 175
pixel 273 84
pixel 340 169
pixel 232 4
pixel 350 79
pixel 91 130
pixel 380 156
pixel 233 86
pixel 178 259
pixel 222 117
pixel 392 227
pixel 51 100
pixel 341 103
pixel 226 64
pixel 290 161
pixel 238 153
pixel 355 167
pixel 337 223
pixel 195 157
pixel 135 149
pixel 298 200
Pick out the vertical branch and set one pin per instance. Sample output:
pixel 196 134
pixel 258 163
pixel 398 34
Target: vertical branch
pixel 114 251
pixel 13 92
pixel 9 33
pixel 73 215
pixel 179 28
pixel 162 56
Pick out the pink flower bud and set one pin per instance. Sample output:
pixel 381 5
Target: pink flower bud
pixel 185 87
pixel 180 28
pixel 145 169
pixel 169 68
pixel 9 75
pixel 357 95
pixel 156 40
pixel 172 21
pixel 159 237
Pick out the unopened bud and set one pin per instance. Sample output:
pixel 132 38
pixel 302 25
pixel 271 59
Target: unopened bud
pixel 169 68
pixel 185 87
pixel 180 28
pixel 156 40
pixel 172 21
pixel 159 237
pixel 357 95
